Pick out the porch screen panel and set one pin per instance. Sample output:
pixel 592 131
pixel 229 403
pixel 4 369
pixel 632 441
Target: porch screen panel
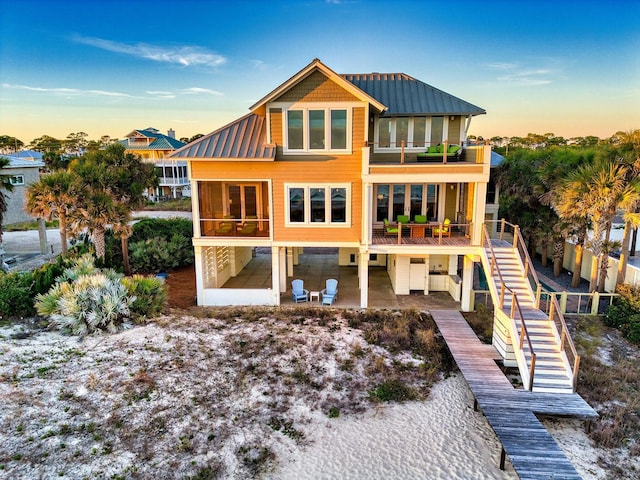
pixel 294 129
pixel 402 132
pixel 338 129
pixel 398 201
pixel 419 131
pixel 384 133
pixel 382 202
pixel 318 205
pixel 316 129
pixel 436 130
pixel 338 205
pixel 235 201
pixel 250 201
pixel 296 205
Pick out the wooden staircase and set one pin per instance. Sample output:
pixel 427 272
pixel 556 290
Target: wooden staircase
pixel 540 348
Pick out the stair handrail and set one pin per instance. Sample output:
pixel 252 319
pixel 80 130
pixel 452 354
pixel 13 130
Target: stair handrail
pixel 524 332
pixel 554 309
pixel 528 264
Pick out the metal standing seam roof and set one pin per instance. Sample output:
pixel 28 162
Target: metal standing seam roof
pixel 404 95
pixel 243 138
pixel 161 142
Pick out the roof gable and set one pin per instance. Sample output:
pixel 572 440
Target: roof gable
pixel 317 66
pixel 405 95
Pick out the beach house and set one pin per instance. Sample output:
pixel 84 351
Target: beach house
pixel 377 168
pixel 154 147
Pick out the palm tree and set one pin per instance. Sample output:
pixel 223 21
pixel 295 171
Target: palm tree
pixel 595 192
pixel 54 196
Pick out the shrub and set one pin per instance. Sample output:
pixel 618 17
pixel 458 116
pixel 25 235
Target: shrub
pixel 393 391
pixel 158 254
pixel 163 228
pixel 89 303
pixel 624 314
pixel 15 295
pixel 150 296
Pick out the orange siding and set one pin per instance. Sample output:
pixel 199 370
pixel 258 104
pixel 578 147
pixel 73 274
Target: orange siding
pixel 300 169
pixel 449 169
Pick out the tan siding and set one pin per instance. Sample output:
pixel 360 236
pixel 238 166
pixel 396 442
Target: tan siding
pixel 276 129
pixel 316 88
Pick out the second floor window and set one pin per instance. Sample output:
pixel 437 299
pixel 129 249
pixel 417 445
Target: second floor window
pixel 318 204
pixel 317 130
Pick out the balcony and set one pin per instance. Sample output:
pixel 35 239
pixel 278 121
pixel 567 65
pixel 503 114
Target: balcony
pixel 391 154
pixel 425 234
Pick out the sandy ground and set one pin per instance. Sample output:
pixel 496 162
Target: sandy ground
pixel 238 398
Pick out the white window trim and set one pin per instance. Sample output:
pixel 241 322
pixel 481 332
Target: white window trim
pixel 305 107
pixel 392 140
pixel 16 180
pixel 307 205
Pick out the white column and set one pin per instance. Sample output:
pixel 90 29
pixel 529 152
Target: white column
pixel 427 261
pixel 282 269
pixel 467 283
pixel 363 274
pixel 290 261
pixel 199 275
pixel 275 271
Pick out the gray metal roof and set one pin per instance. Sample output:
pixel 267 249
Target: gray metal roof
pixel 243 138
pixel 404 95
pixel 18 162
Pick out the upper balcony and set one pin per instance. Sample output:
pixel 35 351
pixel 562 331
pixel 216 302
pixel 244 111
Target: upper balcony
pixel 400 159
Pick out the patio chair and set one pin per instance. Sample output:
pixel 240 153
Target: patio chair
pixel 445 231
pixel 420 219
pixel 330 294
pixel 226 228
pixel 389 230
pixel 298 292
pixel 403 219
pixel 250 226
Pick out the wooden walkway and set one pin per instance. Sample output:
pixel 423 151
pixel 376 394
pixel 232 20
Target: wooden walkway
pixel 511 412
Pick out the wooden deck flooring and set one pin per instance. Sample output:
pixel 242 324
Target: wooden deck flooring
pixel 511 412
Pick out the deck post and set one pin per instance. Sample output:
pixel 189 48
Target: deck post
pixel 467 284
pixel 363 267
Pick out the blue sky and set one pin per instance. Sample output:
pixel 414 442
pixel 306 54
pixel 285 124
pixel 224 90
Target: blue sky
pixel 108 67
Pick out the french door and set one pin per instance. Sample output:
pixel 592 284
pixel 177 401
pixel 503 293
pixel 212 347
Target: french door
pixel 243 200
pixel 396 199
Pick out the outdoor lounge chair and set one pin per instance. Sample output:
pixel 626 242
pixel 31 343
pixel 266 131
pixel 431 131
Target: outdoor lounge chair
pixel 250 227
pixel 298 292
pixel 330 294
pixel 445 231
pixel 388 229
pixel 226 228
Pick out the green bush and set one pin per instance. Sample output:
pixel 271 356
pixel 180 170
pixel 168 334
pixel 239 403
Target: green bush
pixel 393 391
pixel 158 254
pixel 150 296
pixel 624 314
pixel 15 295
pixel 161 227
pixel 86 298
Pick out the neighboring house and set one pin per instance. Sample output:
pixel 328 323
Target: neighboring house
pixel 155 147
pixel 326 160
pixel 21 174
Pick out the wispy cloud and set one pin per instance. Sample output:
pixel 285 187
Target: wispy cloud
pixel 66 91
pixel 184 91
pixel 180 55
pixel 517 75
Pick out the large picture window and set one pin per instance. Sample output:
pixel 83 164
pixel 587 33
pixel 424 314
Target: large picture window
pixel 317 130
pixel 318 204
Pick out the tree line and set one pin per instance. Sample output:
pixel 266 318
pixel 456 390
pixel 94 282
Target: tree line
pixel 560 192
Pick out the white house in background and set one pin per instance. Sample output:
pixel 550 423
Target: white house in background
pixel 153 146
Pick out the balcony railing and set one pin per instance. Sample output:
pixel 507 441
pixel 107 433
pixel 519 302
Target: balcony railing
pixel 432 233
pixel 232 227
pixel 402 154
pixel 171 181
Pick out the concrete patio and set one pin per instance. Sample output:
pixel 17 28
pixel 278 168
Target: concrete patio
pixel 317 265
